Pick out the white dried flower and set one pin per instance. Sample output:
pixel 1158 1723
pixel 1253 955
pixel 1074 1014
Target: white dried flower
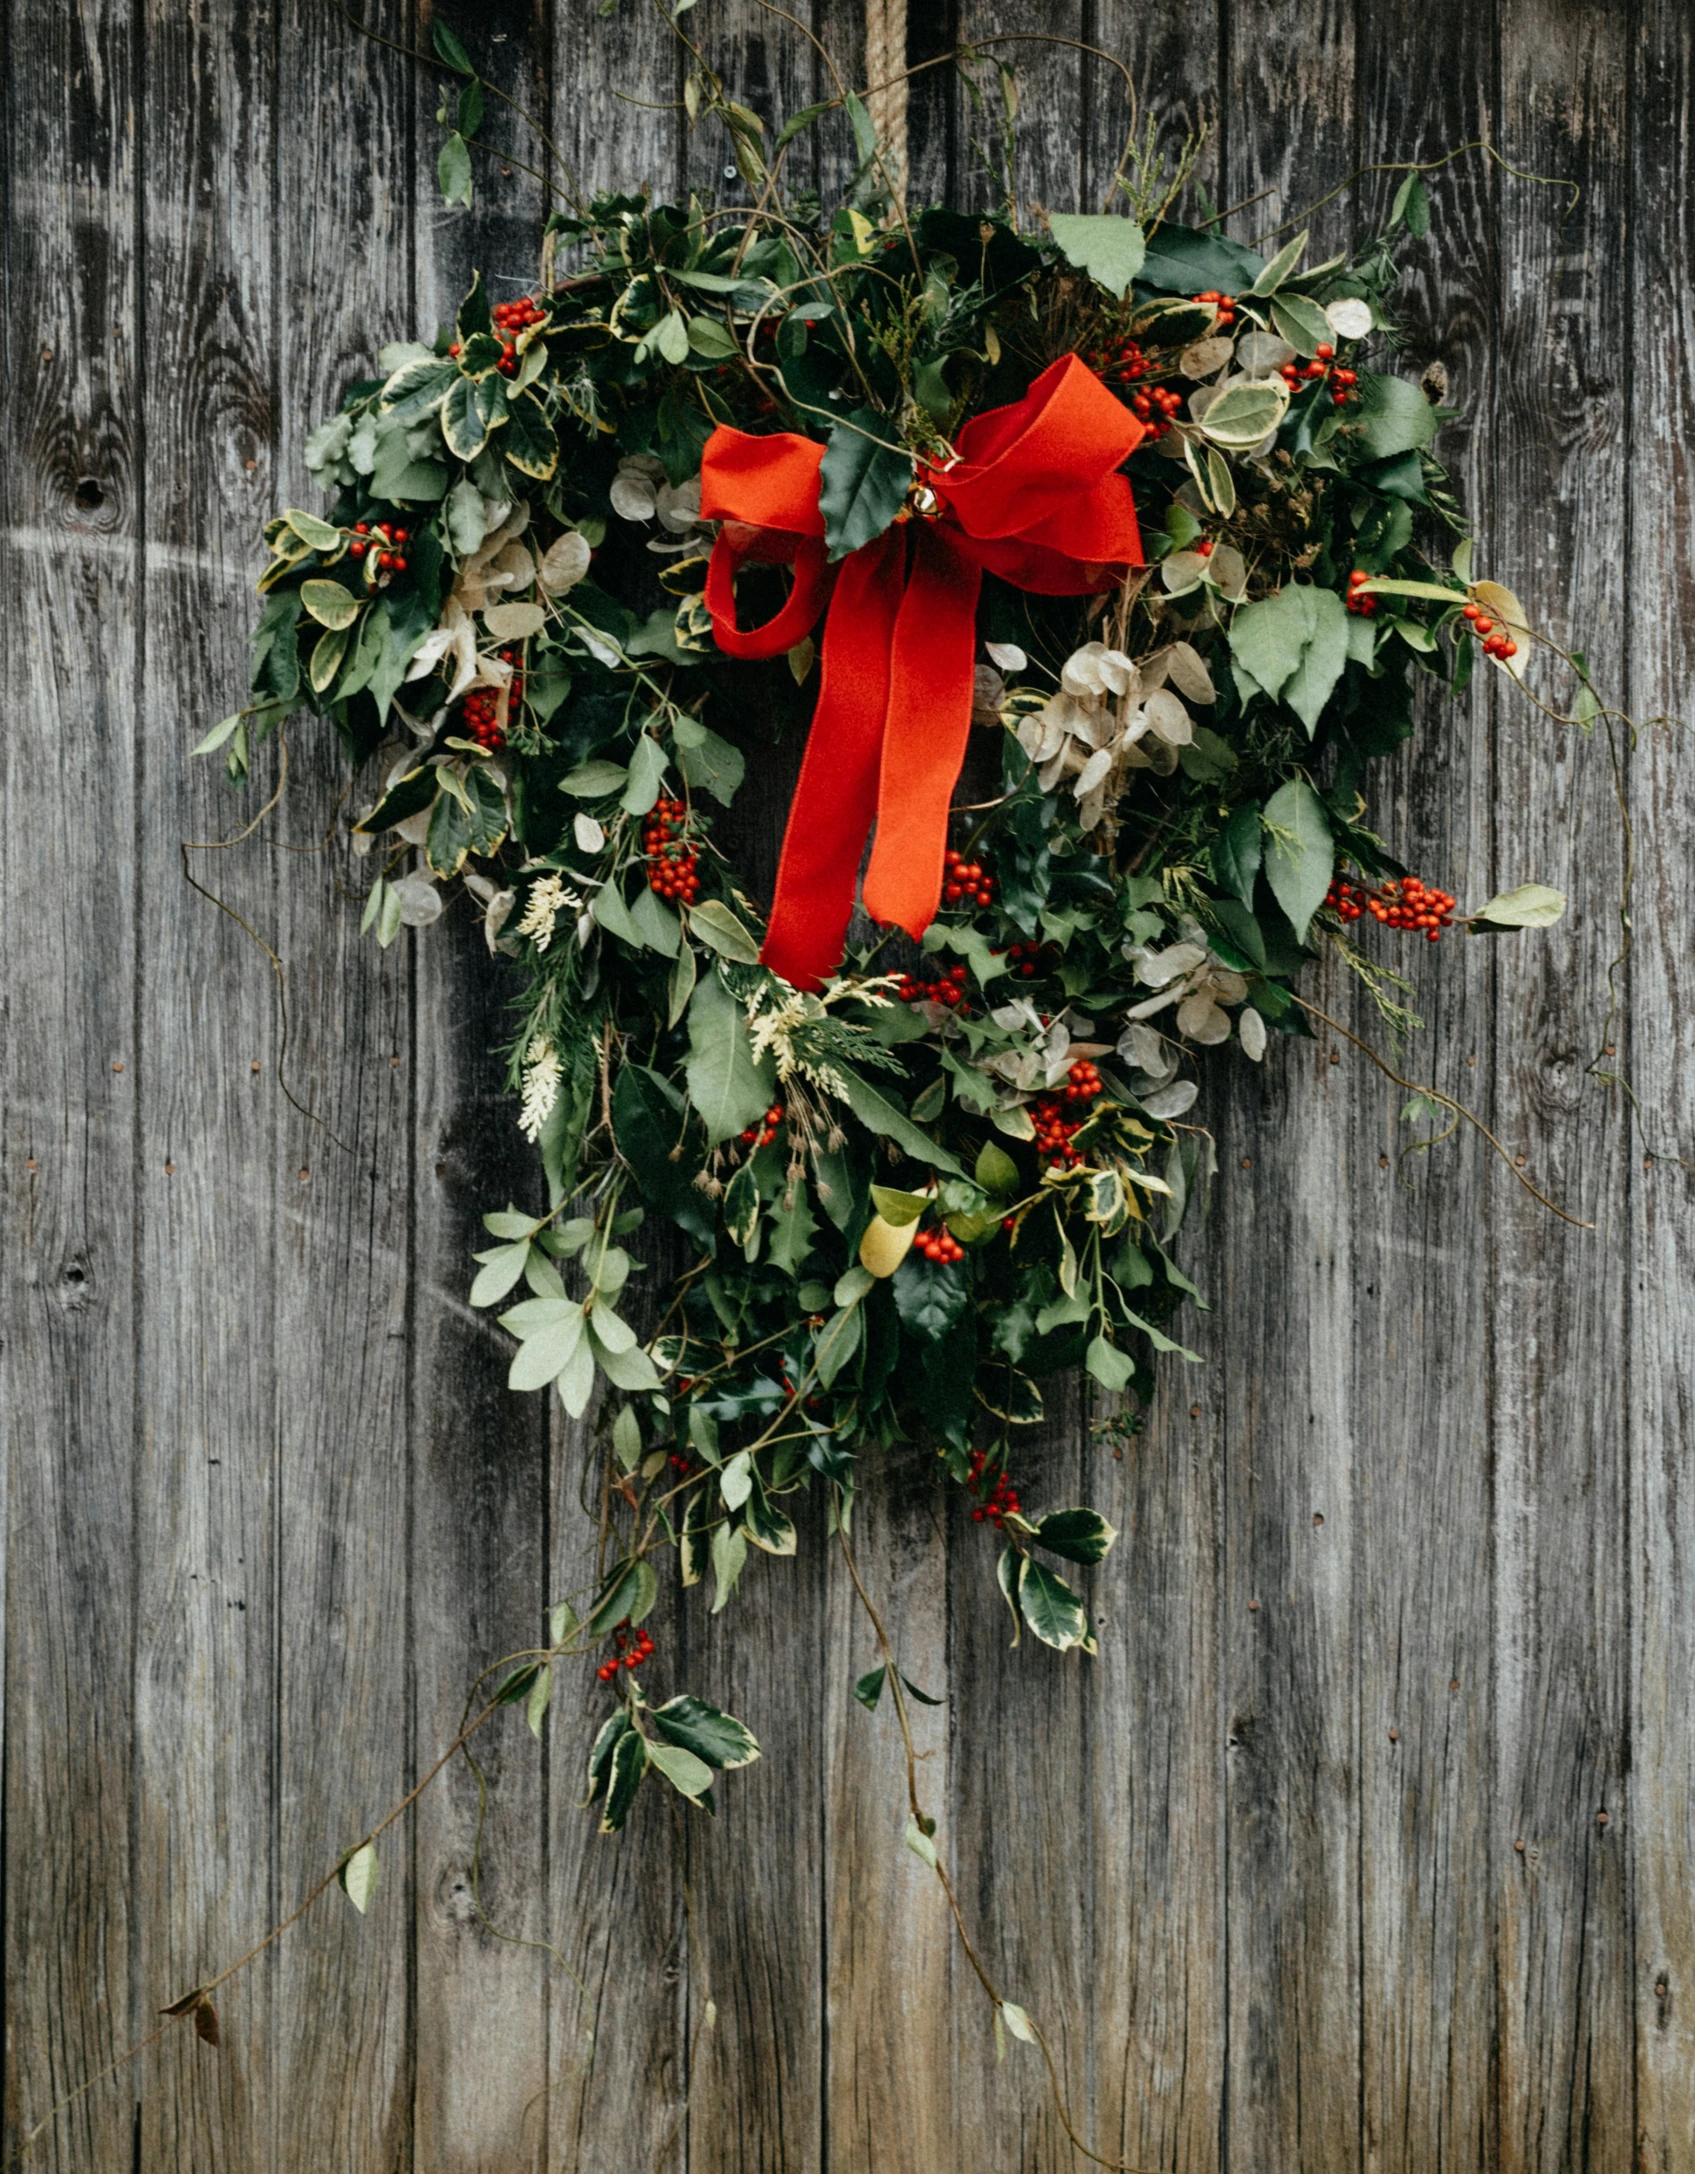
pixel 548 899
pixel 542 1074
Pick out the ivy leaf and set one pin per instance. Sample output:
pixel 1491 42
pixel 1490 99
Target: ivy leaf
pixel 996 1172
pixel 358 1876
pixel 726 1086
pixel 718 1738
pixel 531 442
pixel 1281 265
pixel 1109 248
pixel 449 49
pixel 1112 1368
pixel 463 424
pixel 1300 854
pixel 1081 1536
pixel 1412 203
pixel 869 1689
pixel 623 1778
pixel 1237 852
pixel 1245 412
pixel 600 1756
pixel 630 1591
pixel 710 763
pixel 689 1776
pixel 1393 416
pixel 863 482
pixel 417 388
pixel 1294 646
pixel 1051 1608
pixel 453 171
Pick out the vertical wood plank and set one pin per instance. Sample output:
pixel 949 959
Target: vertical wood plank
pixel 1428 1859
pixel 209 1139
pixel 619 2056
pixel 1283 1285
pixel 1662 668
pixel 1151 1858
pixel 70 491
pixel 894 2099
pixel 480 1459
pixel 342 1286
pixel 1561 1744
pixel 756 1930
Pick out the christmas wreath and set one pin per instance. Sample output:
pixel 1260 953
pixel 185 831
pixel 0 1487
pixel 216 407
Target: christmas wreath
pixel 1096 564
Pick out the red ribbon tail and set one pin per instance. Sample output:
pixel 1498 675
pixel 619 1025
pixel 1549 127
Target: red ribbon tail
pixel 836 797
pixel 929 721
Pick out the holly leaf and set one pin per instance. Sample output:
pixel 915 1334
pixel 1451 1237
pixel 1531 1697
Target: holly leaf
pixel 1109 248
pixel 1051 1608
pixel 863 482
pixel 689 1776
pixel 623 1778
pixel 1081 1536
pixel 718 1738
pixel 930 1296
pixel 1300 854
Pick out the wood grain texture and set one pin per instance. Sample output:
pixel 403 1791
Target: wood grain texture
pixel 1563 1363
pixel 1662 1269
pixel 71 489
pixel 479 1583
pixel 210 1422
pixel 1404 1575
pixel 1281 1271
pixel 1429 1860
pixel 342 1289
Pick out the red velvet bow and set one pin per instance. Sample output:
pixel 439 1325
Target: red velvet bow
pixel 1033 497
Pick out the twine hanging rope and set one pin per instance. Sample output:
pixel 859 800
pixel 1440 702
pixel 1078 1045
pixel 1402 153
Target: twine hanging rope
pixel 885 74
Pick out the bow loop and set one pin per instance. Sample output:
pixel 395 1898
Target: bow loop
pixel 1033 497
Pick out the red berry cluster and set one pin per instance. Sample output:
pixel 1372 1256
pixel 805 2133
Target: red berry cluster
pixel 1344 384
pixel 1155 407
pixel 1054 1130
pixel 1120 360
pixel 937 1243
pixel 1496 643
pixel 762 1134
pixel 511 318
pixel 634 1647
pixel 1083 1082
pixel 385 539
pixel 1408 904
pixel 1030 959
pixel 966 882
pixel 1363 607
pixel 1002 1501
pixel 949 990
pixel 480 714
pixel 1225 305
pixel 674 870
pixel 680 1464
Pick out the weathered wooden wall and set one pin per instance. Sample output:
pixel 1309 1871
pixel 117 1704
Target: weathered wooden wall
pixel 1368 1843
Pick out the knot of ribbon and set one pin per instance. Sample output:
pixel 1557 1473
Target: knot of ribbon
pixel 1033 497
